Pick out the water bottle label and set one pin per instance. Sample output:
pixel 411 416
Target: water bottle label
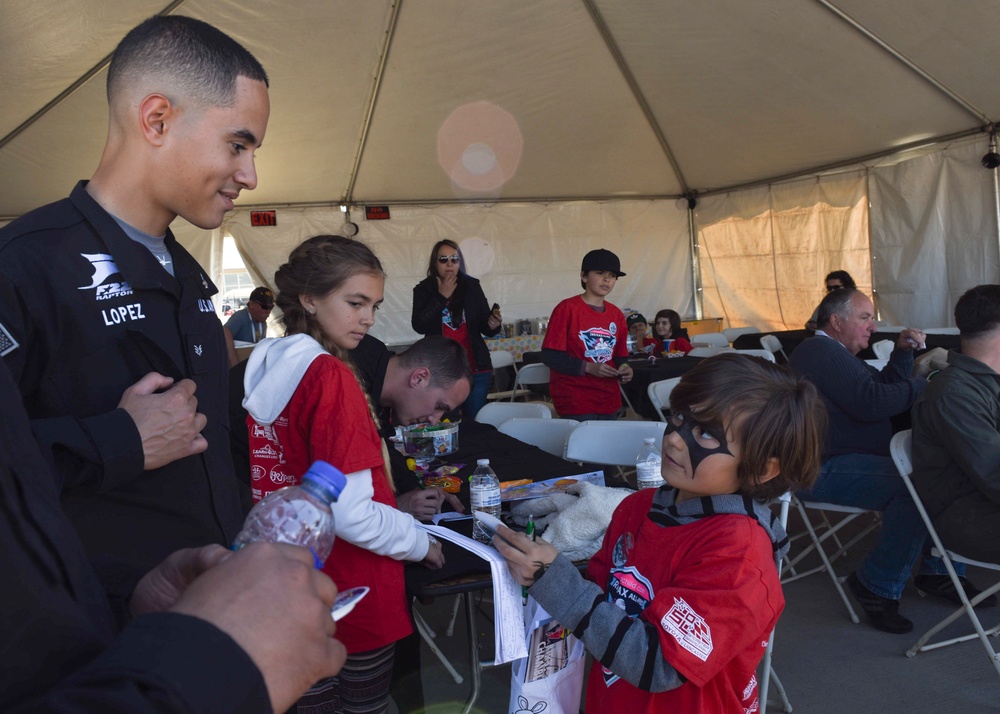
pixel 484 497
pixel 648 475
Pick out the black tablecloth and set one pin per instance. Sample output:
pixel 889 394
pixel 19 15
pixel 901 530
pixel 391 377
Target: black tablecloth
pixel 646 372
pixel 510 459
pixel 790 339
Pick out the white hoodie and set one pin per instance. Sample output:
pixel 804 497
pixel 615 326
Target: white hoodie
pixel 275 368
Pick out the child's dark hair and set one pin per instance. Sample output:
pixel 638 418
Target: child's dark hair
pixel 769 413
pixel 672 316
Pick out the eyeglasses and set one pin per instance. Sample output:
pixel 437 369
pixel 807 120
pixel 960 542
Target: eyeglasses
pixel 831 288
pixel 449 259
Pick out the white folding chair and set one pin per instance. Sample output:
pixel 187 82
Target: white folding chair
pixel 530 374
pixel 708 351
pixel 659 394
pixel 501 359
pixel 547 434
pixel 900 449
pixel 850 513
pixel 769 356
pixel 611 443
pixel 767 672
pixel 496 413
pixel 732 333
pixel 883 348
pixel 710 339
pixel 773 345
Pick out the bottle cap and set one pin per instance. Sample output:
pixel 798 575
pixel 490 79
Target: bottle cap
pixel 327 477
pixel 649 440
pixel 482 462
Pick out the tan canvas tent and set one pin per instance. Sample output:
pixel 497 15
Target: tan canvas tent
pixel 536 131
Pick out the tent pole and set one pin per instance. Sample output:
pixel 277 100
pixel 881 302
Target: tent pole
pixel 996 200
pixel 695 258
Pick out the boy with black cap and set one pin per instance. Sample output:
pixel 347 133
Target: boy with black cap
pixel 638 329
pixel 585 341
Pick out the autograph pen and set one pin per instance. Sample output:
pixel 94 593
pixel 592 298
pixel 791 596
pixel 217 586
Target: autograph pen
pixel 530 532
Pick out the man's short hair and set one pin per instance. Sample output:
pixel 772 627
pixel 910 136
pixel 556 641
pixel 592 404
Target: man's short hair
pixel 201 61
pixel 445 358
pixel 836 303
pixel 978 310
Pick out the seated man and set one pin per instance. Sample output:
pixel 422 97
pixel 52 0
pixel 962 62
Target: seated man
pixel 956 435
pixel 857 470
pixel 250 323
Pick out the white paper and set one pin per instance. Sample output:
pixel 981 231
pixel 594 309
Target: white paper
pixel 508 614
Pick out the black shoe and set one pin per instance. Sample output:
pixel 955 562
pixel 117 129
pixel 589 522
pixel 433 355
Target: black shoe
pixel 882 612
pixel 942 587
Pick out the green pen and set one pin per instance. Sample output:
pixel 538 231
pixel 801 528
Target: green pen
pixel 530 532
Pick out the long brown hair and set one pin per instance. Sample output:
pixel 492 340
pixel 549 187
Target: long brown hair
pixel 318 266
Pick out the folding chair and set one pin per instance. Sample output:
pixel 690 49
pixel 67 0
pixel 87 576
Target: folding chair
pixel 899 448
pixel 773 345
pixel 710 339
pixel 547 434
pixel 830 531
pixel 708 351
pixel 530 374
pixel 496 413
pixel 769 356
pixel 883 348
pixel 767 672
pixel 501 360
pixel 611 443
pixel 659 394
pixel 732 333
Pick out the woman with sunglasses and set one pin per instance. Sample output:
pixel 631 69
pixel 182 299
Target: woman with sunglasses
pixel 836 280
pixel 450 302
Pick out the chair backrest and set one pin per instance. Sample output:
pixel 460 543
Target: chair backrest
pixel 530 374
pixel 710 339
pixel 773 345
pixel 547 434
pixel 708 351
pixel 883 348
pixel 900 448
pixel 732 333
pixel 757 353
pixel 502 358
pixel 878 364
pixel 613 443
pixel 659 394
pixel 496 413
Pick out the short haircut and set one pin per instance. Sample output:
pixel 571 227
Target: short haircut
pixel 978 310
pixel 837 302
pixel 769 413
pixel 199 61
pixel 445 358
pixel 433 263
pixel 843 276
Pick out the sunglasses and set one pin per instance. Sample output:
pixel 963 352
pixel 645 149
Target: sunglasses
pixel 449 259
pixel 831 288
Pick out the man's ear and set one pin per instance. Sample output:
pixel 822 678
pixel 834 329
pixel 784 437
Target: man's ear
pixel 772 469
pixel 420 377
pixel 154 111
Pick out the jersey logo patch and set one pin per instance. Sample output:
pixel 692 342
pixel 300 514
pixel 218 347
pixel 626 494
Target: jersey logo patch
pixel 7 342
pixel 689 629
pixel 629 590
pixel 104 268
pixel 598 344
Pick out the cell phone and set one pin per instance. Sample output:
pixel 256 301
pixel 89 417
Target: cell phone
pixel 346 601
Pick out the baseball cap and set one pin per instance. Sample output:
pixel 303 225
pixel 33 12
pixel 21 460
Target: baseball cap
pixel 634 318
pixel 602 259
pixel 263 297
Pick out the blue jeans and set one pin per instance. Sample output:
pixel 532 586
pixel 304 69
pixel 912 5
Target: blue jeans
pixel 477 397
pixel 872 482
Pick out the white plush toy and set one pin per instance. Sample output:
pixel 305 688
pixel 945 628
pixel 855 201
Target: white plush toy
pixel 575 520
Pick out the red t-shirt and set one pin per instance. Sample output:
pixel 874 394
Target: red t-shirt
pixel 327 418
pixel 576 328
pixel 711 589
pixel 458 332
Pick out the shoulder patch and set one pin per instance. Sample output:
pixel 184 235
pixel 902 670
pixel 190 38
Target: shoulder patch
pixel 7 342
pixel 689 629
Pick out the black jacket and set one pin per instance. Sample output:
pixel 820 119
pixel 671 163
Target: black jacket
pixel 93 311
pixel 59 648
pixel 468 297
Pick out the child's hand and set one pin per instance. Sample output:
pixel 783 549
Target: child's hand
pixel 625 374
pixel 527 559
pixel 602 369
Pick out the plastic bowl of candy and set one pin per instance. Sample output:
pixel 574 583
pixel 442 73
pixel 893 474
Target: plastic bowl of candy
pixel 427 440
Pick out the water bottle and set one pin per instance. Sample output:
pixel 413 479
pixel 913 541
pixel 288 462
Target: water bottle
pixel 648 465
pixel 484 489
pixel 299 515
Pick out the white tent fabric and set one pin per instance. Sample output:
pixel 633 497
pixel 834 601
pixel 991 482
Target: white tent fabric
pixel 456 108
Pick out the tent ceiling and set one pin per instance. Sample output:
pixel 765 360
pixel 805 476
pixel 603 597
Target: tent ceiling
pixel 599 94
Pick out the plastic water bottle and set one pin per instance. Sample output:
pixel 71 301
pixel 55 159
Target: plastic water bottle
pixel 484 489
pixel 300 515
pixel 648 465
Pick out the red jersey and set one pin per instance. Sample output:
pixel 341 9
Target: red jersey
pixel 578 329
pixel 711 589
pixel 327 418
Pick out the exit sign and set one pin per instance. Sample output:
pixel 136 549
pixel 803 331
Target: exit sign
pixel 263 218
pixel 377 213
